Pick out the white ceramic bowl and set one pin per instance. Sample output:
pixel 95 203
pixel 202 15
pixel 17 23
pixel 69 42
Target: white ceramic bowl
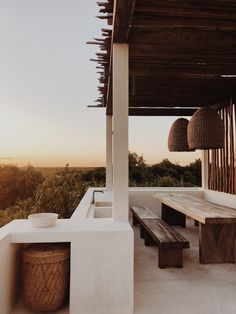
pixel 43 220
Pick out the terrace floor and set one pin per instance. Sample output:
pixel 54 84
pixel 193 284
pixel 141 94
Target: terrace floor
pixel 194 289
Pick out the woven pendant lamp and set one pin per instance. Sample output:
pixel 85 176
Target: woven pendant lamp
pixel 177 140
pixel 206 129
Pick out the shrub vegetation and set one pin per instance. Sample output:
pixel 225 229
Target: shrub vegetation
pixel 27 190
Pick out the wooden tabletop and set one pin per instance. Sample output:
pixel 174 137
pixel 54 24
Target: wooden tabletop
pixel 198 209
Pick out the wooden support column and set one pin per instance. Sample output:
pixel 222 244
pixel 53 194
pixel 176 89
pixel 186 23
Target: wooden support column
pixel 120 131
pixel 205 170
pixel 109 170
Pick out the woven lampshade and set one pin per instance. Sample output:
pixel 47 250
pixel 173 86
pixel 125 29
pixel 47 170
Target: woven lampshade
pixel 177 140
pixel 206 129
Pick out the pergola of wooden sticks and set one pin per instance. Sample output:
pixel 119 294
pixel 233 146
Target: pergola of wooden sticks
pixel 182 56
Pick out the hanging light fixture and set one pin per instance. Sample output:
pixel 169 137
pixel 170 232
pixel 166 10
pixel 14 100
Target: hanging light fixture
pixel 206 129
pixel 177 140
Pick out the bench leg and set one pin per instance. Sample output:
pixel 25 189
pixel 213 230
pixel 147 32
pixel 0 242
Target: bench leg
pixel 148 240
pixel 135 220
pixel 172 217
pixel 170 258
pixel 142 230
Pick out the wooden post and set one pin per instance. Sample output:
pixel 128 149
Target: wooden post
pixel 216 243
pixel 109 170
pixel 120 131
pixel 205 156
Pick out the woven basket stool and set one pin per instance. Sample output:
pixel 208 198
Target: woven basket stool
pixel 46 276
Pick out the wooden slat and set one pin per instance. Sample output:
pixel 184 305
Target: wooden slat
pixel 187 40
pixel 143 212
pixel 196 23
pixel 161 68
pixel 219 9
pixel 164 235
pixel 232 148
pixel 222 161
pixel 200 210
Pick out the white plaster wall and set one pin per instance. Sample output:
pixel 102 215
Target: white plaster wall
pixel 102 280
pixel 220 198
pixel 82 210
pixel 10 271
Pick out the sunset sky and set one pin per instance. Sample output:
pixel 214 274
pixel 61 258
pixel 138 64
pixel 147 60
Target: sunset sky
pixel 46 82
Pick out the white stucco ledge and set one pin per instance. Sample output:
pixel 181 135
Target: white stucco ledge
pixel 165 189
pixel 65 230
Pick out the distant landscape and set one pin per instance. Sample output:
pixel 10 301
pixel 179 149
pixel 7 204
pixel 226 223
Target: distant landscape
pixel 25 190
pixel 47 171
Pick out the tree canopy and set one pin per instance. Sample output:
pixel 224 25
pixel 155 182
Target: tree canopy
pixel 164 173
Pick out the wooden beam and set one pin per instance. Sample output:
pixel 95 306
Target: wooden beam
pixel 149 93
pixel 122 17
pixel 182 102
pixel 160 112
pixel 173 84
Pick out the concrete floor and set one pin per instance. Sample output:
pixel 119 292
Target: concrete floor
pixel 22 309
pixel 194 289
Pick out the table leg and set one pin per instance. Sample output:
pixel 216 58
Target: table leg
pixel 172 217
pixel 216 243
pixel 135 220
pixel 142 231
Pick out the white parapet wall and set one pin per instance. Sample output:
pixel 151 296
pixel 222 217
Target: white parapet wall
pixel 143 196
pixel 10 269
pixel 220 198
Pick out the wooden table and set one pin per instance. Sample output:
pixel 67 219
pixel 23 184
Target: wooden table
pixel 217 224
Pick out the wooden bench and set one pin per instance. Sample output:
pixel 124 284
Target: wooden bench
pixel 156 232
pixel 140 213
pixel 170 243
